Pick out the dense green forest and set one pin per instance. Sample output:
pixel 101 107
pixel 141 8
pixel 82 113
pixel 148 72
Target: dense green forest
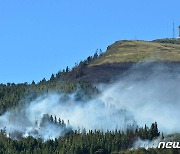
pixel 74 141
pixel 85 142
pixel 80 141
pixel 12 95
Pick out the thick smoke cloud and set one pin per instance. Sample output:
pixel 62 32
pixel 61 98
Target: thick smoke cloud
pixel 156 97
pixel 138 98
pixel 94 114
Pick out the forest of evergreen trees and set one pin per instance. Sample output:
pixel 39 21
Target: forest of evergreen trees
pixel 80 141
pixel 74 141
pixel 12 95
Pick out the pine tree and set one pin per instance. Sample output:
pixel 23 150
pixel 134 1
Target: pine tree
pixel 52 77
pixel 67 69
pixel 33 83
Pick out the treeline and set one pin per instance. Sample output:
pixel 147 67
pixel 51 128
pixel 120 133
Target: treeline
pixel 58 123
pixel 13 95
pixel 78 70
pixel 79 142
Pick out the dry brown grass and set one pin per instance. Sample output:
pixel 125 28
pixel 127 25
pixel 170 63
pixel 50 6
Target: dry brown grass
pixel 135 51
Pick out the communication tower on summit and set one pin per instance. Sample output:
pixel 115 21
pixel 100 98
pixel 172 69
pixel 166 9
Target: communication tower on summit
pixel 173 35
pixel 179 33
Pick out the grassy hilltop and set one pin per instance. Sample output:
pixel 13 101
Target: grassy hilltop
pixel 115 62
pixel 138 51
pixel 122 55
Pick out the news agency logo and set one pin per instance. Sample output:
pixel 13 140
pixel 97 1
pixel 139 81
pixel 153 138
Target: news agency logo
pixel 169 145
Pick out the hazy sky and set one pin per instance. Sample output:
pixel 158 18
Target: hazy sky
pixel 40 37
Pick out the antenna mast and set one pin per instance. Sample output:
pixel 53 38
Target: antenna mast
pixel 173 30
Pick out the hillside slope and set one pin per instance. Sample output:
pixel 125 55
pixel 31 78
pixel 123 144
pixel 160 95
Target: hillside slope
pixel 122 55
pixel 138 51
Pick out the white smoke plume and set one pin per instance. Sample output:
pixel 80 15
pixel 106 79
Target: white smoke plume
pixel 146 143
pixel 133 100
pixel 139 143
pixel 154 98
pixel 93 114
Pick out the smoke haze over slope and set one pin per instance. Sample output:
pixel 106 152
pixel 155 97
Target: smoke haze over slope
pixel 129 101
pixel 154 98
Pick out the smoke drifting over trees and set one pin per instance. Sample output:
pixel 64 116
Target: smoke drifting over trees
pixel 127 102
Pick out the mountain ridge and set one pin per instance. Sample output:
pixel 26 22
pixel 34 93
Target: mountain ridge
pixel 123 55
pixel 138 51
